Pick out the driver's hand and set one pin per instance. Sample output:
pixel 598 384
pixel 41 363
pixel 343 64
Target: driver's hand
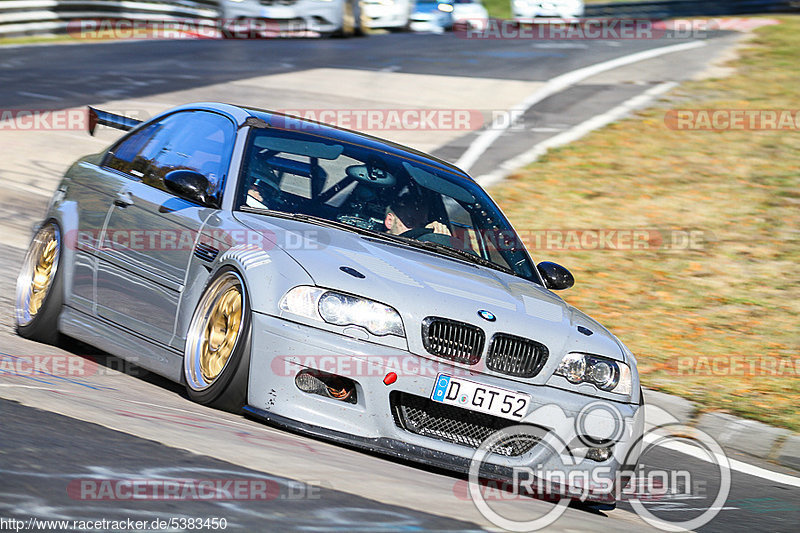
pixel 255 193
pixel 438 227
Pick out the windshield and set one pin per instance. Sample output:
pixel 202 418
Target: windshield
pixel 378 193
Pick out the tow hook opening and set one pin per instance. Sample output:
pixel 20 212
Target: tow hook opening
pixel 328 385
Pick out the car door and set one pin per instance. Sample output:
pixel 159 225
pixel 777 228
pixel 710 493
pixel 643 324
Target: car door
pixel 94 189
pixel 151 232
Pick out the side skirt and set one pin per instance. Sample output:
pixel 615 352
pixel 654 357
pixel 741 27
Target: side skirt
pixel 123 343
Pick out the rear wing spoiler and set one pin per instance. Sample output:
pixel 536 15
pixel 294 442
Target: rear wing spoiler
pixel 110 119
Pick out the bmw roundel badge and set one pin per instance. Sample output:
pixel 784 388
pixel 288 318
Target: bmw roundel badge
pixel 486 315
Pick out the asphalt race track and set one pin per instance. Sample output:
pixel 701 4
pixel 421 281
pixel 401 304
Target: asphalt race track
pixel 117 421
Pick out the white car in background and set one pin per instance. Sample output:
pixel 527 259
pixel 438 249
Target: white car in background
pixel 470 12
pixel 388 14
pixel 527 10
pixel 325 17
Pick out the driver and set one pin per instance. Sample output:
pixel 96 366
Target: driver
pixel 406 217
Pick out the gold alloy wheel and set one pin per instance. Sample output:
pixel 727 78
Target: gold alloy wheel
pixel 214 331
pixel 348 20
pixel 37 276
pixel 221 333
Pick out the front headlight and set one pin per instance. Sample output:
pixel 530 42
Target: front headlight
pixel 605 374
pixel 343 310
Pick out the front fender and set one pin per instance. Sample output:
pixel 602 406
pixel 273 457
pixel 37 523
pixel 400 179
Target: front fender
pixel 268 271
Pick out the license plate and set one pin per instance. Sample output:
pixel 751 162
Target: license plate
pixel 481 398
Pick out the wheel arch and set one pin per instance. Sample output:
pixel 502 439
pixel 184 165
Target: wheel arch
pixel 267 275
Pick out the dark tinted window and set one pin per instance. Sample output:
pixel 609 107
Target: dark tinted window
pixel 193 140
pixel 378 193
pixel 122 157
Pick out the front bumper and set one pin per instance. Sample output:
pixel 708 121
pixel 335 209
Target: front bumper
pixel 430 22
pixel 534 10
pixel 378 16
pixel 304 15
pixel 282 348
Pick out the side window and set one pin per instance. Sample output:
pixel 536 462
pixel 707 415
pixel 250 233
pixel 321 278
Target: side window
pixel 123 157
pixel 196 140
pixel 193 140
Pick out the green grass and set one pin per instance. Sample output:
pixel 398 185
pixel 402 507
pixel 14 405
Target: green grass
pixel 740 294
pixel 35 39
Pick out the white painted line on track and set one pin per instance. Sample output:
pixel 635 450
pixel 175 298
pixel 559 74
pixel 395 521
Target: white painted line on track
pixel 556 85
pixel 573 134
pixel 739 466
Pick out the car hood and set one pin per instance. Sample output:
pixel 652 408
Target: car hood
pixel 420 284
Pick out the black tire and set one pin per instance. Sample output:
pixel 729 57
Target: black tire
pixel 42 325
pixel 228 389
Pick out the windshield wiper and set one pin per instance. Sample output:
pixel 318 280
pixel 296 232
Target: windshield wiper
pixel 310 219
pixel 423 245
pixel 461 254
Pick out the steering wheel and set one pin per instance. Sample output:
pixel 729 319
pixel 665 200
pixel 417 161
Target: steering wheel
pixel 416 233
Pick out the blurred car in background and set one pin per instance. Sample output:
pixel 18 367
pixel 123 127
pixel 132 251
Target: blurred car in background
pixel 527 10
pixel 326 17
pixel 470 13
pixel 387 14
pixel 432 15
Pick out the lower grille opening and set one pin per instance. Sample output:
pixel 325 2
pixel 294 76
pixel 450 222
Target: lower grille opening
pixel 453 424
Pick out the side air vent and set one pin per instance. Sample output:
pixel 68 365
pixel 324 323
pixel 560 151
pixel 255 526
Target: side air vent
pixel 206 252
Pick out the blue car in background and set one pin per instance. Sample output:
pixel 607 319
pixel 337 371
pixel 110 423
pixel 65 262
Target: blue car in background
pixel 433 16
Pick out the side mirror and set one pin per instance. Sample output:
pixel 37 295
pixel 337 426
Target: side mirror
pixel 189 184
pixel 555 276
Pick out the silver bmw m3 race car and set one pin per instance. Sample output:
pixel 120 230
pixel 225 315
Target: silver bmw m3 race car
pixel 336 284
